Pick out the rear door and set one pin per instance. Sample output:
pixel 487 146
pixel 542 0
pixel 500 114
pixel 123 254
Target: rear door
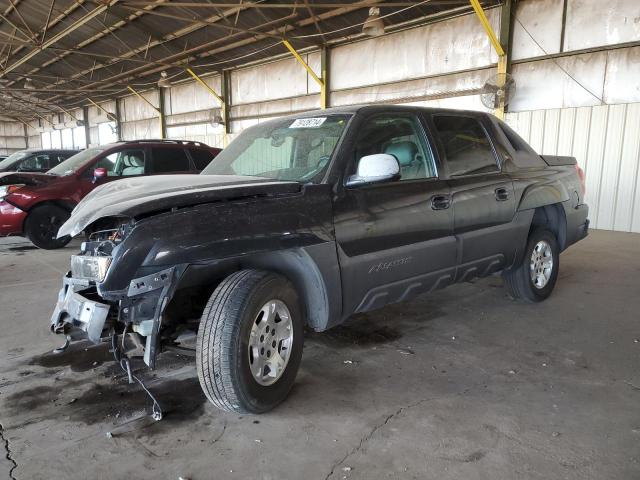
pixel 169 159
pixel 201 157
pixel 395 239
pixel 482 195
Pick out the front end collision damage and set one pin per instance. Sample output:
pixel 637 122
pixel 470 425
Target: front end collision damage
pixel 79 312
pixel 156 257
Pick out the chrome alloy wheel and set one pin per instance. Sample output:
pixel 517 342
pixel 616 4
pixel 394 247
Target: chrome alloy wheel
pixel 270 342
pixel 541 265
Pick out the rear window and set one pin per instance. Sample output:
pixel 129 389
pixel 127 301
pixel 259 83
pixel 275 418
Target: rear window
pixel 201 157
pixel 167 160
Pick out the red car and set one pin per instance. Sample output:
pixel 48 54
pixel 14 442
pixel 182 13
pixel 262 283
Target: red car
pixel 35 205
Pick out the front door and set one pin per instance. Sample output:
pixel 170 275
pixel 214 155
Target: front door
pixel 482 196
pixel 394 239
pixel 128 162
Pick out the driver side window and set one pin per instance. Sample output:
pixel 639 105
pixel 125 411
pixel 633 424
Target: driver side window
pixel 401 136
pixel 124 163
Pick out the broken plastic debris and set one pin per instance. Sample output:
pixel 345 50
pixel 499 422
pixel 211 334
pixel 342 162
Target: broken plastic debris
pixel 109 435
pixel 512 372
pixel 406 351
pixel 346 469
pixel 555 434
pixel 257 440
pixel 453 338
pixel 348 361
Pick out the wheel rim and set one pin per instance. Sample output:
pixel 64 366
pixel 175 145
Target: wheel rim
pixel 541 265
pixel 270 342
pixel 49 227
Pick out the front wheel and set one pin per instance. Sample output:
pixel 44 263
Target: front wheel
pixel 42 224
pixel 250 341
pixel 533 280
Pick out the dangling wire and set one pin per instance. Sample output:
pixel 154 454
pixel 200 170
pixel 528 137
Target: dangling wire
pixel 125 365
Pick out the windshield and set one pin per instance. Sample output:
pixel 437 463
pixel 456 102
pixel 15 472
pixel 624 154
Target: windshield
pixel 73 164
pixel 14 157
pixel 291 149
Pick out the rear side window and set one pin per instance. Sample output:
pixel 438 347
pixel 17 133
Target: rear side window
pixel 58 158
pixel 201 157
pixel 467 147
pixel 167 160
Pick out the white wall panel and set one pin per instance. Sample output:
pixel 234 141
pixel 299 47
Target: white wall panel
pixel 142 129
pixel 97 116
pixel 192 96
pixel 622 81
pixel 448 46
pixel 592 23
pixel 272 109
pixel 542 84
pixel 281 79
pixel 200 132
pixel 407 91
pixel 623 218
pixel 133 108
pixel 543 20
pixel 34 141
pixel 605 141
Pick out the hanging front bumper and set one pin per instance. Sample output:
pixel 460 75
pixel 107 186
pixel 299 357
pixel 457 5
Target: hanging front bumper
pixel 75 311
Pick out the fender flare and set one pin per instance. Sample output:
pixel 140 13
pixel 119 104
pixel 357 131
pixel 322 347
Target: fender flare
pixel 313 270
pixel 540 195
pixel 315 274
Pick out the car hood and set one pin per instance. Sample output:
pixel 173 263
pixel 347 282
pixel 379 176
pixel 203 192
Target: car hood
pixel 133 197
pixel 11 178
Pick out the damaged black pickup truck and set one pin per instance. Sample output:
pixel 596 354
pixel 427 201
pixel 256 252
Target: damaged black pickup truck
pixel 306 220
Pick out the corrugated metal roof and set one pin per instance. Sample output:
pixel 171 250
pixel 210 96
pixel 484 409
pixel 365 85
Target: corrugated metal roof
pixel 70 48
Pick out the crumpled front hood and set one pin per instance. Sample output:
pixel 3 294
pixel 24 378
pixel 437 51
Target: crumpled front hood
pixel 143 195
pixel 12 178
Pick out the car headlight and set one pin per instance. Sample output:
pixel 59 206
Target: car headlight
pixel 7 189
pixel 89 268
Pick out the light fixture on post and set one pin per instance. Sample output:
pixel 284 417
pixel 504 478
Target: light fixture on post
pixel 373 26
pixel 164 81
pixel 28 84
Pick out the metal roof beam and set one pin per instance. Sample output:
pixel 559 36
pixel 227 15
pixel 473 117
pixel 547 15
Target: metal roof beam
pixel 60 35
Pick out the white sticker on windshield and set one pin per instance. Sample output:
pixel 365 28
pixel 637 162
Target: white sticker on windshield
pixel 308 122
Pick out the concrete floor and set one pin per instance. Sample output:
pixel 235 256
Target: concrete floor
pixel 461 384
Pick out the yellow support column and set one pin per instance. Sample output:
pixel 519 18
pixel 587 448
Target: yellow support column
pixel 109 115
pixel 223 104
pixel 502 56
pixel 318 80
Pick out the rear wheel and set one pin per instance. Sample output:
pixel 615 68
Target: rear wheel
pixel 534 279
pixel 249 343
pixel 42 225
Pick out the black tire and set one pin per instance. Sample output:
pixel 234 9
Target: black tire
pixel 42 224
pixel 518 279
pixel 222 348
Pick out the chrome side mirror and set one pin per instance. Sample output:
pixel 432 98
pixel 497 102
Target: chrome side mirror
pixel 377 168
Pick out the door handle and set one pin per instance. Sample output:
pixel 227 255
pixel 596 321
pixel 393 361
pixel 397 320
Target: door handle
pixel 440 202
pixel 502 194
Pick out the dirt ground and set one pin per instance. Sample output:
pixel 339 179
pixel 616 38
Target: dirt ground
pixel 464 383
